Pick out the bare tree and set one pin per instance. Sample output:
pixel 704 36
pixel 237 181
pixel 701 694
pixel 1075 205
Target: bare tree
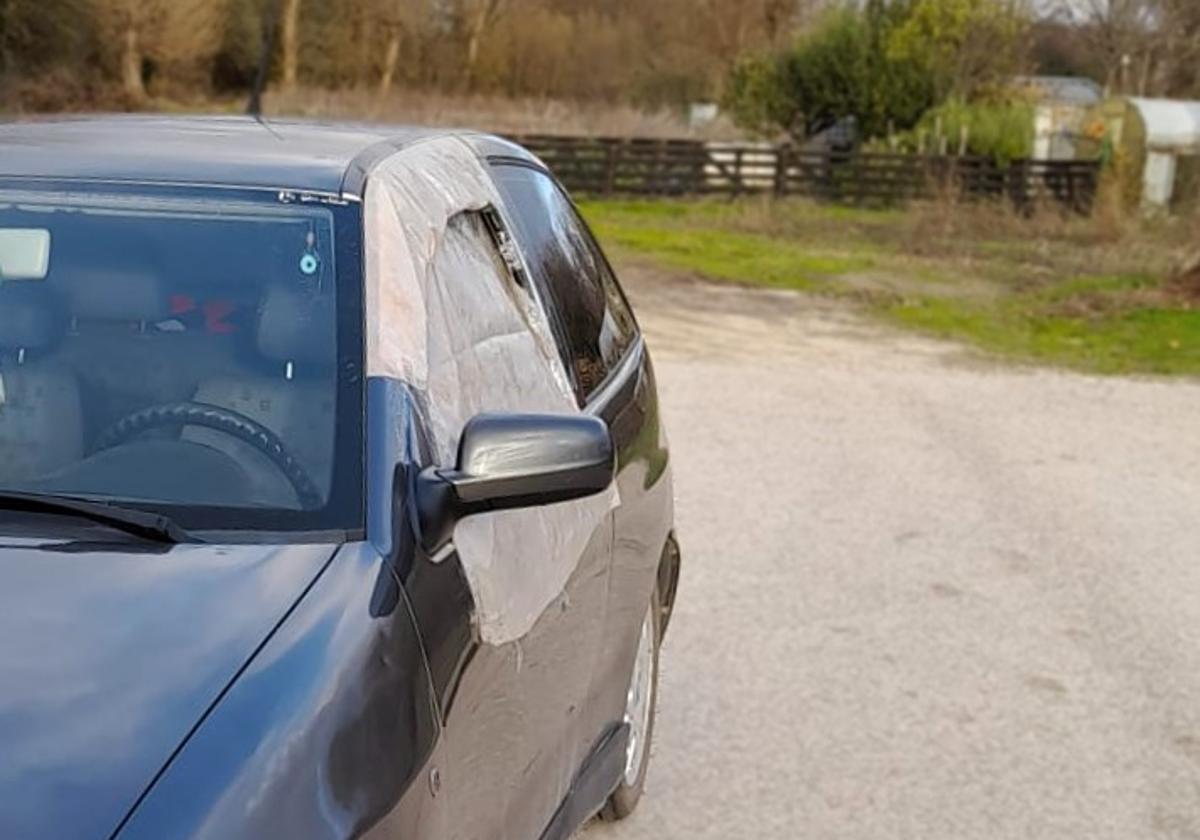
pixel 479 17
pixel 401 22
pixel 174 34
pixel 1180 42
pixel 1123 33
pixel 730 27
pixel 289 32
pixel 127 20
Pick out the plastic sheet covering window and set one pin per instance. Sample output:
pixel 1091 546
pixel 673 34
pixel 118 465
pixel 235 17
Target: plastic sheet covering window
pixel 445 316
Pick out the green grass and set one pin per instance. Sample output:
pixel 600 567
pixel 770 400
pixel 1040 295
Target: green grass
pixel 1159 341
pixel 1101 286
pixel 1014 289
pixel 723 210
pixel 701 238
pixel 737 257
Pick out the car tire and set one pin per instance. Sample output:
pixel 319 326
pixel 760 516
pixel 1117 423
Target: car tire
pixel 625 798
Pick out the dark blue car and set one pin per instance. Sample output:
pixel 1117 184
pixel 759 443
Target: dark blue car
pixel 334 495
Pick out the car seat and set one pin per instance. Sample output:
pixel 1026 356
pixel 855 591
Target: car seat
pixel 126 347
pixel 41 416
pixel 295 398
pixel 109 342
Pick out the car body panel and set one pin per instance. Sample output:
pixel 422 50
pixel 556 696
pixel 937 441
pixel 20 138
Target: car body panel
pixel 324 733
pixel 109 657
pixel 516 716
pixel 214 150
pixel 641 525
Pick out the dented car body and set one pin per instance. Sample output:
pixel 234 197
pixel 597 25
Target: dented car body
pixel 334 494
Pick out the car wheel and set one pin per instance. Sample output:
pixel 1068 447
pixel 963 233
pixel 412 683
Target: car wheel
pixel 639 715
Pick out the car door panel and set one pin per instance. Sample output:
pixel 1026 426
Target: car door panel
pixel 513 716
pixel 511 733
pixel 510 713
pixel 640 524
pixel 613 377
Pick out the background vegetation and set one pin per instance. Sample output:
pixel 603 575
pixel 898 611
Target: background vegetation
pixel 783 66
pixel 136 53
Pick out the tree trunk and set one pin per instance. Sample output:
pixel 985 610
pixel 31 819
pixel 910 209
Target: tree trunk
pixel 290 36
pixel 390 59
pixel 131 65
pixel 473 52
pixel 1144 80
pixel 6 26
pixel 477 28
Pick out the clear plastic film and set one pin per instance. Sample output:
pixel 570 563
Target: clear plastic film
pixel 445 316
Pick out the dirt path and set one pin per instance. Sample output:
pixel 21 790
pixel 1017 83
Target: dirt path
pixel 925 596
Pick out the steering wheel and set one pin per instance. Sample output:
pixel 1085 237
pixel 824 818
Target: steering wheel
pixel 230 422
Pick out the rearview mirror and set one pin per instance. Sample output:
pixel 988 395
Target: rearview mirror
pixel 510 461
pixel 24 253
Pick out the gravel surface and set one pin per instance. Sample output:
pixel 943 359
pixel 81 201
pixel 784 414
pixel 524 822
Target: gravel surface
pixel 924 595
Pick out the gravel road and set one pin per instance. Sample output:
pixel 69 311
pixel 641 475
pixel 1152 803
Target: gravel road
pixel 925 595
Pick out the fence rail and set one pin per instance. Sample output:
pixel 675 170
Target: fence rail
pixel 637 166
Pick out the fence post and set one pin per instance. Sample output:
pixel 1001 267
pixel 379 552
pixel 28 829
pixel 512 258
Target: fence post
pixel 1018 184
pixel 856 174
pixel 610 166
pixel 737 171
pixel 781 170
pixel 649 168
pixel 698 170
pixel 1092 185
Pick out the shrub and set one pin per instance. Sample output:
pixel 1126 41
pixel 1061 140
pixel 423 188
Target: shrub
pixel 841 69
pixel 1002 131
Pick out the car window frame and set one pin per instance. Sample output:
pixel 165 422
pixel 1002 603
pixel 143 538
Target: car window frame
pixel 604 387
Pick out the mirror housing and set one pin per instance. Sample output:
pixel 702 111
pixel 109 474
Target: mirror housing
pixel 508 461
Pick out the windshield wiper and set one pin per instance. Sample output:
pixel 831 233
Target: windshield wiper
pixel 139 523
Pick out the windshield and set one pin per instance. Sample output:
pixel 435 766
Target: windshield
pixel 183 355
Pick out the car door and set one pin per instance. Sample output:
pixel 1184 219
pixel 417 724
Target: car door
pixel 602 349
pixel 511 713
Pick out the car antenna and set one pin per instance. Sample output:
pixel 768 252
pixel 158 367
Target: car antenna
pixel 270 21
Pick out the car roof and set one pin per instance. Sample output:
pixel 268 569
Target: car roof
pixel 230 151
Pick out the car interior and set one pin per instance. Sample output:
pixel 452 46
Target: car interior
pixel 228 323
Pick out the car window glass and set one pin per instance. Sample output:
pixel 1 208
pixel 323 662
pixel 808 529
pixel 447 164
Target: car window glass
pixel 162 342
pixel 568 268
pixel 620 326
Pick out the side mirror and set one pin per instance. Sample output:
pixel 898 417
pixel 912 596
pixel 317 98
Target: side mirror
pixel 508 461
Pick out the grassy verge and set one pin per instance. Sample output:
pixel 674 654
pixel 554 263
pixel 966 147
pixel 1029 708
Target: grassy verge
pixel 1098 294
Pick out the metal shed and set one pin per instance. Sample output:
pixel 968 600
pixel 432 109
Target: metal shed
pixel 1061 104
pixel 1172 147
pixel 1155 145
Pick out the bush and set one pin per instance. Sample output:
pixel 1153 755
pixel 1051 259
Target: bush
pixel 841 69
pixel 969 46
pixel 757 98
pixel 1002 131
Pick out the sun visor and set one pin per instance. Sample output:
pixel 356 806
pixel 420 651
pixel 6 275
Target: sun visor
pixel 446 317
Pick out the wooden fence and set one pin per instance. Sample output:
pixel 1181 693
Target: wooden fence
pixel 649 167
